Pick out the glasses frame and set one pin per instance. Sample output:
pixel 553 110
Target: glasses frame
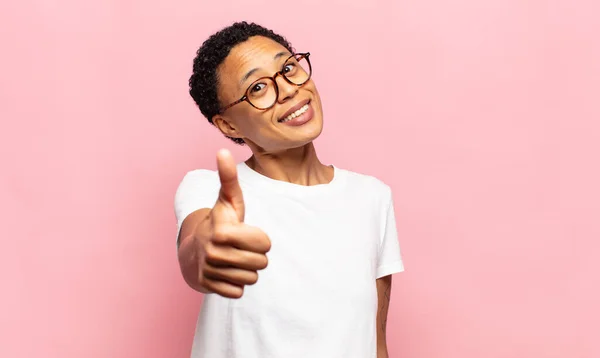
pixel 245 98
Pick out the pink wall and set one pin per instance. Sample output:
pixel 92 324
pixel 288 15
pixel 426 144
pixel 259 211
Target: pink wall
pixel 483 116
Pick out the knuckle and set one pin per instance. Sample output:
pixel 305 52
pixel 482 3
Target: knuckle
pixel 220 233
pixel 267 244
pixel 211 253
pixel 238 293
pixel 204 282
pixel 263 262
pixel 205 267
pixel 253 278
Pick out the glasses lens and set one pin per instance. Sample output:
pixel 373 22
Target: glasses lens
pixel 297 69
pixel 262 93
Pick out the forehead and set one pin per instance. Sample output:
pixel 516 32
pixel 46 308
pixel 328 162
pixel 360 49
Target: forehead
pixel 255 53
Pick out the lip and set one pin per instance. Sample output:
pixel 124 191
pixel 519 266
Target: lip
pixel 301 119
pixel 293 109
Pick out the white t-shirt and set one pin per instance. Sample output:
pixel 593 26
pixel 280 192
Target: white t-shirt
pixel 317 298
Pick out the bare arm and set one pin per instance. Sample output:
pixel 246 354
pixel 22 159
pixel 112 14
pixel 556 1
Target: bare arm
pixel 217 252
pixel 384 291
pixel 187 252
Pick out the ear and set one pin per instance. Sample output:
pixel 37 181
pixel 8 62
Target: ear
pixel 226 126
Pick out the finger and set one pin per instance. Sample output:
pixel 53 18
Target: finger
pixel 228 256
pixel 232 275
pixel 230 192
pixel 223 288
pixel 243 237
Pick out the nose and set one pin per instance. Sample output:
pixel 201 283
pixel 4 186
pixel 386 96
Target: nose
pixel 286 89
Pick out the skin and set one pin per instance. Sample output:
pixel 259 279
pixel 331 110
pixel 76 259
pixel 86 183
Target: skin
pixel 218 252
pixel 279 151
pixel 384 292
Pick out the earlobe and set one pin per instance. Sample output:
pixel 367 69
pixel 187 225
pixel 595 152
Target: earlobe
pixel 225 126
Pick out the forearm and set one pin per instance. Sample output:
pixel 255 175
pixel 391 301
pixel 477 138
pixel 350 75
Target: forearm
pixel 382 351
pixel 187 251
pixel 384 287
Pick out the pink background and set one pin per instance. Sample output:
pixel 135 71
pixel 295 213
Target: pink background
pixel 483 116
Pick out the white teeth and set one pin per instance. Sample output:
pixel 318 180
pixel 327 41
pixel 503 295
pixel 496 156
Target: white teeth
pixel 296 114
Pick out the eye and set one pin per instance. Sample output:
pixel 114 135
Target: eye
pixel 258 87
pixel 289 67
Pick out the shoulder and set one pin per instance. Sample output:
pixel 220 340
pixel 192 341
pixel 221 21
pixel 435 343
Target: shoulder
pixel 198 179
pixel 367 184
pixel 201 174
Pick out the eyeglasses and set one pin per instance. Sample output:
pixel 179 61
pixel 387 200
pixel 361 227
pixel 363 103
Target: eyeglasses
pixel 262 94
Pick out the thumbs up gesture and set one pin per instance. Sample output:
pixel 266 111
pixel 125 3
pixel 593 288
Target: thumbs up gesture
pixel 231 253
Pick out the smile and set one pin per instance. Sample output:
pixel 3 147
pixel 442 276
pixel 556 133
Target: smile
pixel 299 112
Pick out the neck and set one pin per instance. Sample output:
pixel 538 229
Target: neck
pixel 298 166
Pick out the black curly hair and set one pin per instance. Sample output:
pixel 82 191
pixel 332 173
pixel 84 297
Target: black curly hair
pixel 204 81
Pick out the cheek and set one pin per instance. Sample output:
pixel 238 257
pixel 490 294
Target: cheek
pixel 256 124
pixel 313 89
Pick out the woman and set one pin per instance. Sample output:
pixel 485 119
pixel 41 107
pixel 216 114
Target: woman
pixel 329 234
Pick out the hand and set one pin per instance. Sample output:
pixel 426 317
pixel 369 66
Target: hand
pixel 230 253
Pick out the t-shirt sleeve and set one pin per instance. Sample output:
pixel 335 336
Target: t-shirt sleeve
pixel 198 189
pixel 390 259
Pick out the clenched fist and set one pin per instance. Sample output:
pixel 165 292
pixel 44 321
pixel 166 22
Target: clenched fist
pixel 229 252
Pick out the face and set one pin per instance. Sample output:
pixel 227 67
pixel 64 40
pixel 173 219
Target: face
pixel 295 119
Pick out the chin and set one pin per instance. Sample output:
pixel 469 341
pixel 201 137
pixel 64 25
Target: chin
pixel 300 138
pixel 311 130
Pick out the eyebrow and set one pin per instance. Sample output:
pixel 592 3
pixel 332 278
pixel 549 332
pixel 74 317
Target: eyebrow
pixel 252 71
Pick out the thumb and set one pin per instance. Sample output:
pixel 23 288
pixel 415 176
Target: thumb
pixel 231 192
